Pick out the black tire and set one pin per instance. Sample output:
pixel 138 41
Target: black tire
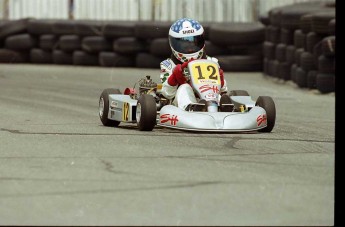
pixel 275 68
pixel 284 71
pixel 129 45
pixel 148 112
pixel 326 64
pixel 103 114
pixel 13 27
pixel 293 72
pixel 273 34
pixel 89 28
pixel 20 42
pixel 301 77
pixel 62 58
pixel 11 56
pixel 291 14
pixel 320 21
pixel 41 26
pixel 271 67
pixel 63 27
pixel 307 61
pixel 269 50
pixel 83 58
pixel 299 39
pixel 95 44
pixel 146 60
pixel 317 52
pixel 286 36
pixel 117 29
pixel 41 56
pixel 212 49
pixel 325 83
pixel 311 40
pixel 305 23
pixel 311 84
pixel 267 103
pixel 290 54
pixel 69 43
pixel 254 49
pixel 160 47
pixel 152 29
pixel 230 33
pixel 275 16
pixel 49 42
pixel 240 63
pixel 112 59
pixel 265 66
pixel 280 52
pixel 298 53
pixel 238 93
pixel 264 19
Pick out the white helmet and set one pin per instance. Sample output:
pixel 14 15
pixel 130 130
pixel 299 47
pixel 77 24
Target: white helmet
pixel 186 39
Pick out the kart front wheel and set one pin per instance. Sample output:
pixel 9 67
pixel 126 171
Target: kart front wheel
pixel 146 112
pixel 104 107
pixel 268 105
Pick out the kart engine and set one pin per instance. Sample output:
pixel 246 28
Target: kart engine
pixel 147 86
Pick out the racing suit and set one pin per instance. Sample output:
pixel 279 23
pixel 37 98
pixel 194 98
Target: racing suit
pixel 182 94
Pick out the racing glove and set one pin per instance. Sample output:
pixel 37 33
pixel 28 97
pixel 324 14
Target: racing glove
pixel 177 77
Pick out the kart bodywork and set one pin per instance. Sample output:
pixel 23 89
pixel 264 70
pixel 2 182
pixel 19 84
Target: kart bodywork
pixel 149 108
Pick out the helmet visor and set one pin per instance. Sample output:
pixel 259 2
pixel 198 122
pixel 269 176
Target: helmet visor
pixel 187 45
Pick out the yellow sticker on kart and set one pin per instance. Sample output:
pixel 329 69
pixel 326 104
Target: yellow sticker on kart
pixel 125 111
pixel 205 72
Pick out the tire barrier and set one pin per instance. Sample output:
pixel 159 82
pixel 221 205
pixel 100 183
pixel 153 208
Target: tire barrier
pixel 293 42
pixel 112 59
pixel 299 45
pixel 40 56
pixel 140 43
pixel 96 44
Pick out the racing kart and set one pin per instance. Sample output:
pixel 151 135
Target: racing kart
pixel 214 112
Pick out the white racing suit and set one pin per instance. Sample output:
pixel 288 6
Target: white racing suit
pixel 182 95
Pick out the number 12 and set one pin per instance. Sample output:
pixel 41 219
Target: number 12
pixel 213 75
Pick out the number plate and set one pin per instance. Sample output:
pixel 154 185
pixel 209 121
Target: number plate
pixel 204 72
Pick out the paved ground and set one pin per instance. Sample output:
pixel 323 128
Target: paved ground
pixel 60 166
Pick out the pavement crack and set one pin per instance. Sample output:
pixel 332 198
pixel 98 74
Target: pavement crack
pixel 121 190
pixel 232 143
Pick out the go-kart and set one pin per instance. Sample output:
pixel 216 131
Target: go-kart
pixel 147 107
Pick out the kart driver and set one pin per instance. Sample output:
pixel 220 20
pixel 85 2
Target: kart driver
pixel 186 39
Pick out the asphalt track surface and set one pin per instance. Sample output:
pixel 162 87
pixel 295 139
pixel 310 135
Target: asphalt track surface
pixel 60 166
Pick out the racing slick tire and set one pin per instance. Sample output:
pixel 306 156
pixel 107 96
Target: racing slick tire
pixel 104 107
pixel 267 103
pixel 238 93
pixel 146 112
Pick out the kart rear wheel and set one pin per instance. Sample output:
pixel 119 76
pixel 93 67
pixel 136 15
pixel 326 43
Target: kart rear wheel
pixel 146 112
pixel 238 93
pixel 104 107
pixel 267 103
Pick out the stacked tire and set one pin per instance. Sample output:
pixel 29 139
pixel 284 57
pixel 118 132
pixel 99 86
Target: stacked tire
pixel 15 42
pixel 300 45
pixel 237 46
pixel 143 44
